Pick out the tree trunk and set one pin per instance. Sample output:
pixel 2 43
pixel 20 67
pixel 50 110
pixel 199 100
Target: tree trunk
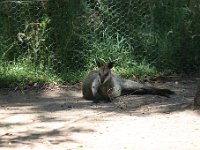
pixel 197 97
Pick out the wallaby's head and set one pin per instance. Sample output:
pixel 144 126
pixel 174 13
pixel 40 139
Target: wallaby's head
pixel 104 71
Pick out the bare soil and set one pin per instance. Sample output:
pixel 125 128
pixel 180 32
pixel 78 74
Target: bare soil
pixel 57 117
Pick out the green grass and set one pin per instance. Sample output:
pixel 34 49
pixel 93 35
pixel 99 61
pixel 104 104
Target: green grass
pixel 108 49
pixel 138 70
pixel 20 73
pixel 73 76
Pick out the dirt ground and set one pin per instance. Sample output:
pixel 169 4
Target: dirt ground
pixel 57 117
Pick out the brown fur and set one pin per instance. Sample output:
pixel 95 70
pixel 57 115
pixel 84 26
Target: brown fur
pixel 102 84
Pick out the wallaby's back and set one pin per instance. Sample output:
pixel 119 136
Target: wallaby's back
pixel 89 83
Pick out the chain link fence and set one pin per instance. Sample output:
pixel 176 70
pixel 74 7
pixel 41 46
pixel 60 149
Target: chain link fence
pixel 73 33
pixel 24 31
pixel 119 28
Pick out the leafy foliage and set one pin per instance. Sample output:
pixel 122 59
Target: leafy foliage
pixel 59 40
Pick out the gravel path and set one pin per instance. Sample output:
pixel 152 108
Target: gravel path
pixel 58 118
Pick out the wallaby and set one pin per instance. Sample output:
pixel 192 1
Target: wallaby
pixel 103 84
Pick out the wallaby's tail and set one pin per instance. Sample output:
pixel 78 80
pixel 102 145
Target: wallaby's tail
pixel 132 87
pixel 155 91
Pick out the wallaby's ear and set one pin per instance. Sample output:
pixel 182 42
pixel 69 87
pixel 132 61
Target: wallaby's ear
pixel 111 64
pixel 99 63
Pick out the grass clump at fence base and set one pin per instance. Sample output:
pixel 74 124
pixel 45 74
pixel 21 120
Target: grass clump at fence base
pixel 21 73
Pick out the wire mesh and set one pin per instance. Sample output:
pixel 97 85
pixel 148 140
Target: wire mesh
pixel 116 19
pixel 77 31
pixel 24 31
pixel 27 24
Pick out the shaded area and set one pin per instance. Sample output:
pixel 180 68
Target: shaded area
pixel 62 98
